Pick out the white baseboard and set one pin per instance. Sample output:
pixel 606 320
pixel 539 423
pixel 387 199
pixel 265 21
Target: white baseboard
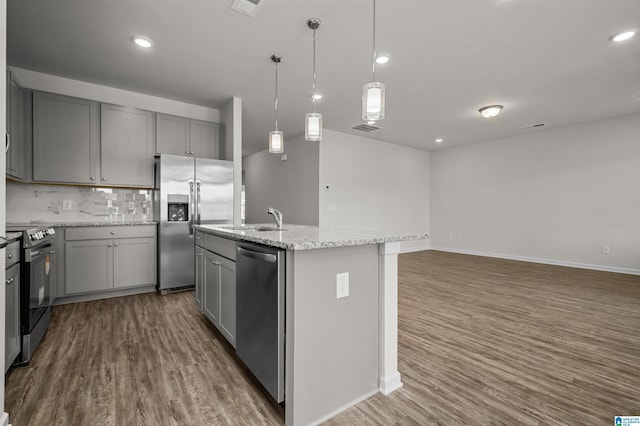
pixel 390 384
pixel 604 268
pixel 4 420
pixel 344 408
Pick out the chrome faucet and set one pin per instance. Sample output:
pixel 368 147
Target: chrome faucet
pixel 277 216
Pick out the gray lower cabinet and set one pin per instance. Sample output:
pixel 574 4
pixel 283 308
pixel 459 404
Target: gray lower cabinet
pixel 183 136
pixel 199 276
pixel 15 128
pixel 12 333
pixel 109 258
pixel 126 146
pixel 66 139
pixel 218 292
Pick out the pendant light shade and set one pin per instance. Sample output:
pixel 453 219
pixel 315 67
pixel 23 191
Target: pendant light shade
pixel 276 142
pixel 373 93
pixel 276 137
pixel 313 120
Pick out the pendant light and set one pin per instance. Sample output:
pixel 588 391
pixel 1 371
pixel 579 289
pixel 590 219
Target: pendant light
pixel 373 93
pixel 313 120
pixel 276 138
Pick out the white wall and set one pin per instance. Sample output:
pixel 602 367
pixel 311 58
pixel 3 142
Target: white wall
pixel 232 119
pixel 65 86
pixel 290 186
pixel 374 185
pixel 554 196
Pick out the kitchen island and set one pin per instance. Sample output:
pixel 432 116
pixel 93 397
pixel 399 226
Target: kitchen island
pixel 339 350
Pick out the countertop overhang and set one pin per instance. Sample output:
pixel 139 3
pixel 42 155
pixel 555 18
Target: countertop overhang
pixel 305 237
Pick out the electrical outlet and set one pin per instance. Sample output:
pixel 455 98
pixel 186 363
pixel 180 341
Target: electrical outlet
pixel 67 205
pixel 342 285
pixel 605 249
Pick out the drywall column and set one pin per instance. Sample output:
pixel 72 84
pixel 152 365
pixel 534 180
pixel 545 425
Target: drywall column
pixel 232 119
pixel 4 418
pixel 390 379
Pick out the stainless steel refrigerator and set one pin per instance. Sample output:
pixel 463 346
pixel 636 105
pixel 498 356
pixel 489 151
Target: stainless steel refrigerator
pixel 189 191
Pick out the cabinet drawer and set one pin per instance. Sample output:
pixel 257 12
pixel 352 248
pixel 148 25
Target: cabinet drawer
pixel 222 246
pixel 105 232
pixel 12 254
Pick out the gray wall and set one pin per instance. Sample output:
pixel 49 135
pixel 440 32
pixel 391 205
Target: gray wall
pixel 374 185
pixel 558 195
pixel 290 186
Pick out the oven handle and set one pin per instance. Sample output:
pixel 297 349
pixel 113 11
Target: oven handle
pixel 30 256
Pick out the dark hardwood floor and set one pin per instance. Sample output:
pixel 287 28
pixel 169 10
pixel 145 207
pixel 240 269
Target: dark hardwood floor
pixel 481 342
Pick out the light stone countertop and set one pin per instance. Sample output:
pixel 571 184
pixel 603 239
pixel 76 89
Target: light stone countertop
pixel 26 225
pixel 304 237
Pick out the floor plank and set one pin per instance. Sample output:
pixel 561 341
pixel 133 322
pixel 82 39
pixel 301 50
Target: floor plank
pixel 481 341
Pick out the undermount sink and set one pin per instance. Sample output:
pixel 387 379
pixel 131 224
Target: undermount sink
pixel 267 228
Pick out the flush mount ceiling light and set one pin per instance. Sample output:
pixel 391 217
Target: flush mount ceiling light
pixel 313 120
pixel 439 140
pixel 383 59
pixel 373 93
pixel 371 122
pixel 625 35
pixel 490 111
pixel 316 96
pixel 142 41
pixel 276 138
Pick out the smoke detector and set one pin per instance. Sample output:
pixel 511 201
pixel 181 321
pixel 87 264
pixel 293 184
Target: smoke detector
pixel 246 7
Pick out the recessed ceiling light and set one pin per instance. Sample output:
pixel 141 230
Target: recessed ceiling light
pixel 142 41
pixel 316 96
pixel 371 122
pixel 383 59
pixel 625 35
pixel 439 140
pixel 490 111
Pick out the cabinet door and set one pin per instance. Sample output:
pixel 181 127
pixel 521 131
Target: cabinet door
pixel 65 139
pixel 12 333
pixel 227 315
pixel 134 262
pixel 15 155
pixel 211 294
pixel 89 266
pixel 203 139
pixel 199 276
pixel 126 145
pixel 172 135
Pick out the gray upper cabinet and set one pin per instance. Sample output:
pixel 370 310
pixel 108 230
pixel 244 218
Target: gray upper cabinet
pixel 172 135
pixel 66 144
pixel 203 137
pixel 183 136
pixel 15 128
pixel 126 146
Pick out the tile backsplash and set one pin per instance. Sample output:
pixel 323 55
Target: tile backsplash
pixel 29 203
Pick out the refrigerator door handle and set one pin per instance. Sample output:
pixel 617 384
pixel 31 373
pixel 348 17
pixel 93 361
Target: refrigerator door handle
pixel 191 207
pixel 199 201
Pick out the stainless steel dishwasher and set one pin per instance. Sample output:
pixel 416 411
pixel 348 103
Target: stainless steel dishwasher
pixel 260 314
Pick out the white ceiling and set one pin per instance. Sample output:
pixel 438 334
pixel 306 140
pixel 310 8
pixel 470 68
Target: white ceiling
pixel 546 61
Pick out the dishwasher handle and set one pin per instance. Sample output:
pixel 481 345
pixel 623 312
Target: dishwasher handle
pixel 267 257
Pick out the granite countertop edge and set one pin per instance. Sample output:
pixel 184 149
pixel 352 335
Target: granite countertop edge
pixel 300 237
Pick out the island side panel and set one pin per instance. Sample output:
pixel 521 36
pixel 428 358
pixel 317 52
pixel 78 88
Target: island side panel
pixel 332 344
pixel 390 379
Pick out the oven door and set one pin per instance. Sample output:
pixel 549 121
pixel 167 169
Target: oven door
pixel 39 263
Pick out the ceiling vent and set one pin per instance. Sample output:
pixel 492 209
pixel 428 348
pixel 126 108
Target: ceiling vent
pixel 366 128
pixel 246 7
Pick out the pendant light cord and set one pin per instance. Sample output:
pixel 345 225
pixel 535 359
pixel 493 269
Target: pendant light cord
pixel 374 40
pixel 276 104
pixel 313 94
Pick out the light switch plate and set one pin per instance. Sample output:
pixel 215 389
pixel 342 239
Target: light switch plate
pixel 66 205
pixel 342 285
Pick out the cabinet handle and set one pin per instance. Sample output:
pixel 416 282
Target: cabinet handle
pixel 198 238
pixel 13 169
pixel 104 179
pixel 52 252
pixel 113 232
pixel 9 256
pixel 110 245
pixel 9 281
pixel 116 244
pixel 7 142
pixel 199 254
pixel 92 178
